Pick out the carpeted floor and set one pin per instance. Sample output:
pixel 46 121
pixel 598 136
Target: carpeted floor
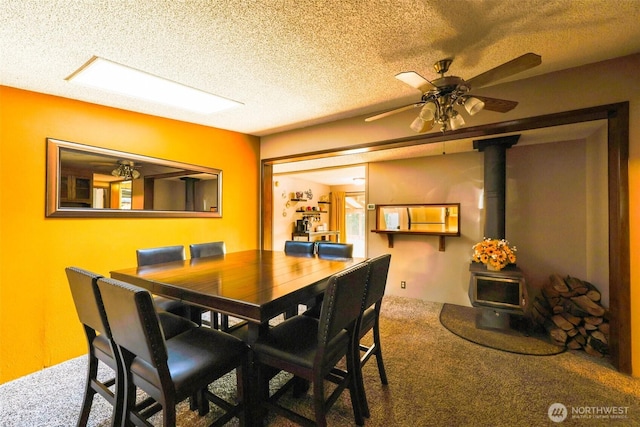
pixel 436 378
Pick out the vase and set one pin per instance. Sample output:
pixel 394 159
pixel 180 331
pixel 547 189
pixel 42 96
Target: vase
pixel 491 267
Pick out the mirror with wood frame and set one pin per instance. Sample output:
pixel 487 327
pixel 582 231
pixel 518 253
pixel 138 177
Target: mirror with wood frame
pixel 419 218
pixel 86 181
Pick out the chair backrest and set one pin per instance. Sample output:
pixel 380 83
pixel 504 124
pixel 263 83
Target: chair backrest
pixel 201 250
pixel 159 255
pixel 133 321
pixel 334 250
pixel 86 297
pixel 377 281
pixel 342 302
pixel 299 247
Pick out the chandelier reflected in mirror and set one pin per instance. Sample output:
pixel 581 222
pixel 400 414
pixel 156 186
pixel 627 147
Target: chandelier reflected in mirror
pixel 126 170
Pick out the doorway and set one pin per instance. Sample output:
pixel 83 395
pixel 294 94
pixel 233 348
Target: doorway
pixel 355 222
pixel 617 116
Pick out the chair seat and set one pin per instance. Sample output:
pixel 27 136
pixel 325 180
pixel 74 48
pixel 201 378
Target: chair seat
pixel 173 324
pixel 103 351
pixel 170 305
pixel 296 340
pixel 368 321
pixel 195 357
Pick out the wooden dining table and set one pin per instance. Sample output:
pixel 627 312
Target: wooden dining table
pixel 254 285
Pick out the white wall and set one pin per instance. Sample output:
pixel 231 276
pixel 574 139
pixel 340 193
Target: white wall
pixel 430 274
pixel 547 217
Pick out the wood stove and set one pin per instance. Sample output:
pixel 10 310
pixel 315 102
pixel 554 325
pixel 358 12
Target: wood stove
pixel 502 290
pixel 498 293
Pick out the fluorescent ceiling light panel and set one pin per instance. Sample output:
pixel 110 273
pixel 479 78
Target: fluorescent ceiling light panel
pixel 113 77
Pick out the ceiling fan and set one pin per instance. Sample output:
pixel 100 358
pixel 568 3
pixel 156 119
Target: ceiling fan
pixel 126 169
pixel 442 95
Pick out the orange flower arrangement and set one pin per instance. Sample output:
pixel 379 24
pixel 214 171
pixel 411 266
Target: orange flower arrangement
pixel 494 253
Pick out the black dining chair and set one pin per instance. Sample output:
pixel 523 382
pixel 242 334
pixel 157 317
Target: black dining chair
pixel 202 250
pixel 295 247
pixel 326 249
pixel 311 348
pixel 86 298
pixel 376 285
pixel 299 248
pixel 169 371
pixel 159 255
pixel 90 310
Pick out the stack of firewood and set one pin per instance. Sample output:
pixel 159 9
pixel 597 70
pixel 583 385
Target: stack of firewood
pixel 569 310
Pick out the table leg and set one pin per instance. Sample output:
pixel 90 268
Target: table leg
pixel 257 388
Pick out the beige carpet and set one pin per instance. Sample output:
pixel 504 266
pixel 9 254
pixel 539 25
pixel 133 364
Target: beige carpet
pixel 463 321
pixel 435 379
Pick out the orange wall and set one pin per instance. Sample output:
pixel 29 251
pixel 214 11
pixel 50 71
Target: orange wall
pixel 38 323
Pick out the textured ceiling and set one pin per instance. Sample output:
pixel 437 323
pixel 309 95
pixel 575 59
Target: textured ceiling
pixel 294 63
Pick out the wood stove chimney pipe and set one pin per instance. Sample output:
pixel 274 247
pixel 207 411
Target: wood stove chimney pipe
pixel 495 172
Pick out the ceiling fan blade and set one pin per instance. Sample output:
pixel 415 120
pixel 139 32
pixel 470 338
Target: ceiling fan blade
pixel 414 79
pixel 498 105
pixel 521 63
pixel 397 110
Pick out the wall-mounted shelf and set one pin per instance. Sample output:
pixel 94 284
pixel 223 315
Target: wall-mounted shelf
pixel 440 220
pixel 391 234
pixel 298 200
pixel 311 213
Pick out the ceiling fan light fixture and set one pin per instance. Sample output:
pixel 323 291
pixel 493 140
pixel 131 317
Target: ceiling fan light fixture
pixel 126 170
pixel 456 121
pixel 419 125
pixel 428 112
pixel 473 105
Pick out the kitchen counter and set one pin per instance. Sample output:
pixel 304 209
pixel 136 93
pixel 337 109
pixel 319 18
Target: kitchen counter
pixel 312 235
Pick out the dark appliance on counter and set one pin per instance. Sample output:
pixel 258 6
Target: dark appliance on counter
pixel 302 225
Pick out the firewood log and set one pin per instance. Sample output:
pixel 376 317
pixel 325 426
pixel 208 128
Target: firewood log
pixel 561 322
pixel 576 310
pixel 593 293
pixel 595 342
pixel 593 320
pixel 576 285
pixel 558 336
pixel 593 352
pixel 574 345
pixel 558 283
pixel 542 307
pixel 604 328
pixel 588 305
pixel 574 320
pixel 597 335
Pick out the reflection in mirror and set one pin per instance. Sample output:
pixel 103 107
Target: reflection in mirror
pixel 437 219
pixel 85 181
